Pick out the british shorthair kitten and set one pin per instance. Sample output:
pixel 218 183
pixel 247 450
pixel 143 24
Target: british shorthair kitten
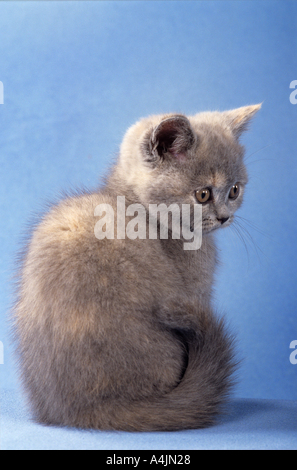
pixel 118 332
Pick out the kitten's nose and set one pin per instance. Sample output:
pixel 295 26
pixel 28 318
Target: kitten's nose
pixel 223 220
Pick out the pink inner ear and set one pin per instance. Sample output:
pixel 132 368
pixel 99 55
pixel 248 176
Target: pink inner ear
pixel 181 157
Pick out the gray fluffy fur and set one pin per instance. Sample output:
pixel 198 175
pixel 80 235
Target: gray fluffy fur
pixel 121 334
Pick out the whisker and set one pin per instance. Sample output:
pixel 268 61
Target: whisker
pixel 269 159
pixel 245 234
pixel 254 227
pixel 240 236
pixel 259 150
pixel 261 160
pixel 256 247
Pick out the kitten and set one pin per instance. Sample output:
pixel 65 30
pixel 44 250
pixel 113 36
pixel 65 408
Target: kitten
pixel 120 333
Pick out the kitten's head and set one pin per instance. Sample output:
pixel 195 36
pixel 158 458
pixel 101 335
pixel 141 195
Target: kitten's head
pixel 189 160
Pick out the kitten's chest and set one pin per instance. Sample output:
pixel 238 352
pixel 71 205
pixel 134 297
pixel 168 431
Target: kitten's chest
pixel 197 271
pixel 192 272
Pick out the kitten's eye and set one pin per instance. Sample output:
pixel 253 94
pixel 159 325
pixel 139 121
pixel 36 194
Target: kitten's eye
pixel 203 195
pixel 234 192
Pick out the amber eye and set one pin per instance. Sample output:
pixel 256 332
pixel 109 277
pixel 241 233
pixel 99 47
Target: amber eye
pixel 203 195
pixel 234 192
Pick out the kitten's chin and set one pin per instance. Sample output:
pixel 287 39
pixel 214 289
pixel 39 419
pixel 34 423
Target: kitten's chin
pixel 208 228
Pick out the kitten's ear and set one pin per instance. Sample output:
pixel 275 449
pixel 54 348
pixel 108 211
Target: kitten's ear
pixel 172 138
pixel 238 119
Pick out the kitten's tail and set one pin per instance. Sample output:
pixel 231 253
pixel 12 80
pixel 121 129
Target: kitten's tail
pixel 197 399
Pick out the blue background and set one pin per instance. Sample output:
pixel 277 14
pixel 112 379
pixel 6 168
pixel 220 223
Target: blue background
pixel 77 74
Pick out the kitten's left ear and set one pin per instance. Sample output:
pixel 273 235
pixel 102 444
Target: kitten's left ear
pixel 238 119
pixel 172 138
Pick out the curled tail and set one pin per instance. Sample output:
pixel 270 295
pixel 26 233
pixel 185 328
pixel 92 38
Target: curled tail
pixel 196 400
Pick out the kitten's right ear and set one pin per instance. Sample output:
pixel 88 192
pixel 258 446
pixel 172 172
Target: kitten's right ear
pixel 171 139
pixel 238 119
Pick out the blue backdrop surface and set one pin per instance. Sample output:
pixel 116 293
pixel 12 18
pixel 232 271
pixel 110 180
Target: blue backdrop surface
pixel 77 74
